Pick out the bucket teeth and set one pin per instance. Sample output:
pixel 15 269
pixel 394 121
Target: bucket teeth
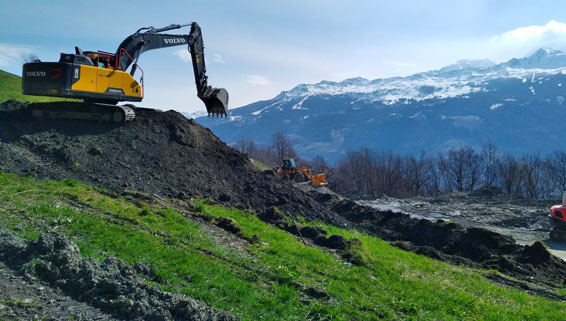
pixel 216 102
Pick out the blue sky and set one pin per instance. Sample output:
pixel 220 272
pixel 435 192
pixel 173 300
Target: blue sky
pixel 256 49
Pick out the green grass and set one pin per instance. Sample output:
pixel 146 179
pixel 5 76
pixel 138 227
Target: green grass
pixel 260 165
pixel 277 278
pixel 11 88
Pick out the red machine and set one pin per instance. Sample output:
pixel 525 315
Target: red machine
pixel 557 218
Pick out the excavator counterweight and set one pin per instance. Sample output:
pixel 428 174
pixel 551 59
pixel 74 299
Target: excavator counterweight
pixel 103 78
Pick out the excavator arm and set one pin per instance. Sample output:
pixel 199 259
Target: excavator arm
pixel 145 39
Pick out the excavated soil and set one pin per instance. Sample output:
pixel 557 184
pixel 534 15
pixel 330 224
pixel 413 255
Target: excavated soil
pixel 165 154
pixel 523 219
pixel 112 289
pixel 161 153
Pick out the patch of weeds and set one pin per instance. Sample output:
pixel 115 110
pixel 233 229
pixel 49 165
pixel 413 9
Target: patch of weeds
pixel 71 182
pixel 145 212
pixel 29 268
pixel 102 191
pixel 30 174
pixel 97 150
pixel 194 140
pixel 75 166
pixel 451 224
pixel 199 205
pixel 355 253
pixel 21 304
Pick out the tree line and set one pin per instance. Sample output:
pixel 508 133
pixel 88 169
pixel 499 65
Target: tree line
pixel 367 172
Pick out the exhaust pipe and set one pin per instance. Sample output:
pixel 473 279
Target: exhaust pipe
pixel 216 102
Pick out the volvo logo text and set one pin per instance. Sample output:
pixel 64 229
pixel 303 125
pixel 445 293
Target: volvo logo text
pixel 35 73
pixel 174 40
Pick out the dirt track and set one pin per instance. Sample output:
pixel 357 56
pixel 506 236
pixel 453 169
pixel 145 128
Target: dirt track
pixel 165 154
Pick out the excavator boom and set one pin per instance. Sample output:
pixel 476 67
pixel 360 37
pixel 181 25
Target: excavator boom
pixel 145 39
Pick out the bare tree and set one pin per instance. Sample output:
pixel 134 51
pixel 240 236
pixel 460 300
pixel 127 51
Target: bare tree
pixel 246 146
pixel 457 168
pixel 433 175
pixel 389 178
pixel 357 171
pixel 532 175
pixel 556 169
pixel 474 171
pixel 490 162
pixel 416 173
pixel 510 173
pixel 266 155
pixel 282 145
pixel 318 165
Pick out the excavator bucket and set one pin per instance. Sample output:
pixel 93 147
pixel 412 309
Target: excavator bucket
pixel 216 102
pixel 319 180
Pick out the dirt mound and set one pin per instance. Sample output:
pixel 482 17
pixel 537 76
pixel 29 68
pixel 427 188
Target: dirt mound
pixel 453 243
pixel 110 286
pixel 487 191
pixel 160 153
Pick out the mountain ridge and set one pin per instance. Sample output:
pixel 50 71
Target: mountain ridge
pixel 466 103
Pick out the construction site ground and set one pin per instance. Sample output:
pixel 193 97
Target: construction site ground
pixel 524 220
pixel 165 155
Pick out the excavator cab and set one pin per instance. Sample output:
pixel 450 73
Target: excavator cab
pixel 288 164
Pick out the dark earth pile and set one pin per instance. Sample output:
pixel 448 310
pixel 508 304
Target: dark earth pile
pixel 111 286
pixel 164 153
pixel 160 153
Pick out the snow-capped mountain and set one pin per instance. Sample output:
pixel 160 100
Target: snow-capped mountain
pixel 518 105
pixel 196 114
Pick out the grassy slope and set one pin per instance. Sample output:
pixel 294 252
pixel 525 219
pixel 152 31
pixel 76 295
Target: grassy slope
pixel 265 280
pixel 11 88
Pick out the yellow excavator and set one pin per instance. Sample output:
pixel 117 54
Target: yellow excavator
pixel 101 79
pixel 299 174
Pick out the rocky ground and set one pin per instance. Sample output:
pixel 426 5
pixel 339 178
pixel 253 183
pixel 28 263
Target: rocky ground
pixel 523 219
pixel 26 298
pixel 167 155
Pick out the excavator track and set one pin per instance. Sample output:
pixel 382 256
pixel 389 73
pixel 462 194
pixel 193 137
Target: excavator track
pixel 83 111
pixel 558 232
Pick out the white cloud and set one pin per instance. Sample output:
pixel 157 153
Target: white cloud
pixel 11 54
pixel 530 38
pixel 530 33
pixel 184 55
pixel 218 59
pixel 495 106
pixel 521 42
pixel 258 80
